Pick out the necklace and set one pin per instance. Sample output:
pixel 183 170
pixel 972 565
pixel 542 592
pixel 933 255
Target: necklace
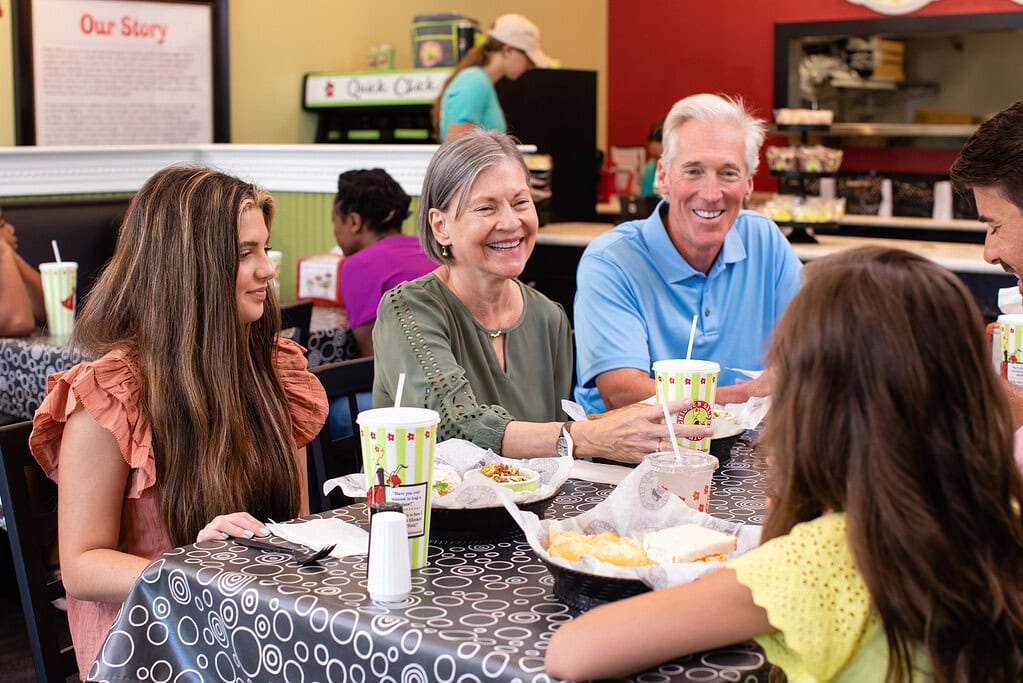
pixel 493 334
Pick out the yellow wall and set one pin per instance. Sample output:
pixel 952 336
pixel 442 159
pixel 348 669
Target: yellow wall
pixel 6 77
pixel 274 43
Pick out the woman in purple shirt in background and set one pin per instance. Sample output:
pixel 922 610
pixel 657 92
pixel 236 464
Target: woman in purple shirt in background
pixel 369 209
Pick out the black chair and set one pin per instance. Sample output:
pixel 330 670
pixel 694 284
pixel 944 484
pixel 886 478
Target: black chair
pixel 297 316
pixel 329 457
pixel 29 501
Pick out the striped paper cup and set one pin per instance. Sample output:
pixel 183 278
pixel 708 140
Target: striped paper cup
pixel 695 379
pixel 60 286
pixel 397 453
pixel 1010 337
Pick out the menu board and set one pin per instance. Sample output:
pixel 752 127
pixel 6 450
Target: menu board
pixel 122 72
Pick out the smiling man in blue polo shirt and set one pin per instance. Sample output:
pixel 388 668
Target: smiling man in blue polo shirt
pixel 699 253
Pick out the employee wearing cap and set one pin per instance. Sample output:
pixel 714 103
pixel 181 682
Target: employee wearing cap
pixel 468 99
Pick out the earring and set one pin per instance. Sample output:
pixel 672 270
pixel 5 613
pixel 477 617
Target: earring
pixel 444 251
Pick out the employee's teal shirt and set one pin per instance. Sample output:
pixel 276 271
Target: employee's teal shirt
pixel 470 97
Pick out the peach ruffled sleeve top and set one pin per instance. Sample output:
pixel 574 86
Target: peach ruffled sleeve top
pixel 109 390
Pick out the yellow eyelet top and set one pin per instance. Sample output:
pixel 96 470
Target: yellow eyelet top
pixel 827 628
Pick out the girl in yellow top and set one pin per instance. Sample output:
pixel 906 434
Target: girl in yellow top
pixel 894 543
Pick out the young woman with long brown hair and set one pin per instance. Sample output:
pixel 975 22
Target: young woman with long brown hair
pixel 468 99
pixel 192 422
pixel 893 547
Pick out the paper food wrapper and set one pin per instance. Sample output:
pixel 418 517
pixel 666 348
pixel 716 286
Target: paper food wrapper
pixel 475 491
pixel 1010 300
pixel 638 505
pixel 744 415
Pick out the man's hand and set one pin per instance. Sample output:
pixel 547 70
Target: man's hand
pixel 762 385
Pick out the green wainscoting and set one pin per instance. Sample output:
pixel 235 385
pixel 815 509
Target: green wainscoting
pixel 302 227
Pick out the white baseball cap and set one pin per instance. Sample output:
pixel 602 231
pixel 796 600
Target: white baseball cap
pixel 517 31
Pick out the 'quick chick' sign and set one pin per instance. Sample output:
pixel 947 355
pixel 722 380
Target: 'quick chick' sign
pixel 420 86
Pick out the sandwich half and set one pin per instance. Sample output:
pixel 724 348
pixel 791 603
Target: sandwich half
pixel 688 543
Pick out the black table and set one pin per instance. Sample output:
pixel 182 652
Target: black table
pixel 484 612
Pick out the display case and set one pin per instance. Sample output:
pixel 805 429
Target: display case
pixel 802 230
pixel 939 69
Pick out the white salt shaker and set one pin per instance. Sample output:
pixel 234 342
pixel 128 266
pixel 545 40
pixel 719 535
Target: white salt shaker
pixel 390 573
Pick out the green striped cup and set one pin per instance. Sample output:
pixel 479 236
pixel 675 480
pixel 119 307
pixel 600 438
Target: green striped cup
pixel 695 379
pixel 1010 337
pixel 60 281
pixel 397 456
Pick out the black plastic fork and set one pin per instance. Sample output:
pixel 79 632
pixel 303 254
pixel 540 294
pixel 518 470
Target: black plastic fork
pixel 301 557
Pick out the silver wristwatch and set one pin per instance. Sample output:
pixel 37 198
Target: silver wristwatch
pixel 565 445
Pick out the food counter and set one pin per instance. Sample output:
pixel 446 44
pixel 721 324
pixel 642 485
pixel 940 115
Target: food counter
pixel 959 258
pixel 560 245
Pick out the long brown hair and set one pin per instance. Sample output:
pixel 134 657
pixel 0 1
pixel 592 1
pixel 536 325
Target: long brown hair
pixel 478 55
pixel 886 407
pixel 220 422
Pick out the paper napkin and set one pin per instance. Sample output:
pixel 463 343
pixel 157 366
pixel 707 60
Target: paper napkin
pixel 347 539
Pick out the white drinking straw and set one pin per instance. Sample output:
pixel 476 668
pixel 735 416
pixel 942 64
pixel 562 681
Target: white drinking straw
pixel 671 433
pixel 56 250
pixel 692 336
pixel 401 386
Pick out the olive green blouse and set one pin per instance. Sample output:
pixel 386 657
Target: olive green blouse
pixel 425 331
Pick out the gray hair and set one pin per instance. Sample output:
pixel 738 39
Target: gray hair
pixel 451 173
pixel 720 109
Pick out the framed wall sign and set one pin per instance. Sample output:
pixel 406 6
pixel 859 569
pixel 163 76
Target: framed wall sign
pixel 106 72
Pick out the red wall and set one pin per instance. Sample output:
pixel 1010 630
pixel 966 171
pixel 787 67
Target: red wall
pixel 662 50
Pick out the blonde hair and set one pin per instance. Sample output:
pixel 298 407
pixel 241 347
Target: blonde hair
pixel 719 109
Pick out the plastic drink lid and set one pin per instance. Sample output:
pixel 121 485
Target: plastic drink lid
pixel 398 417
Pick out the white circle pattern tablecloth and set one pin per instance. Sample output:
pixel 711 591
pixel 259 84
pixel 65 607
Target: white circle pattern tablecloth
pixel 217 611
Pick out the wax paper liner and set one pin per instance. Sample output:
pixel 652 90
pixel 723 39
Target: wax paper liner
pixel 744 415
pixel 638 505
pixel 475 491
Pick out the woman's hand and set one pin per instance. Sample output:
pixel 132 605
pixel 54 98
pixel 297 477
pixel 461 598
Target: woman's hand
pixel 629 435
pixel 235 524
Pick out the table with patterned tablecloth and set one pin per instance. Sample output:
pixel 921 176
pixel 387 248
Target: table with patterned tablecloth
pixel 217 611
pixel 330 339
pixel 25 363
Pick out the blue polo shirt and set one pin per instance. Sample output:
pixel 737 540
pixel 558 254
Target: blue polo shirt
pixel 470 96
pixel 636 296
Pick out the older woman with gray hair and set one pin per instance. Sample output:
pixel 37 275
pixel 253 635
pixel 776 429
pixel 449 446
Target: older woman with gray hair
pixel 491 355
